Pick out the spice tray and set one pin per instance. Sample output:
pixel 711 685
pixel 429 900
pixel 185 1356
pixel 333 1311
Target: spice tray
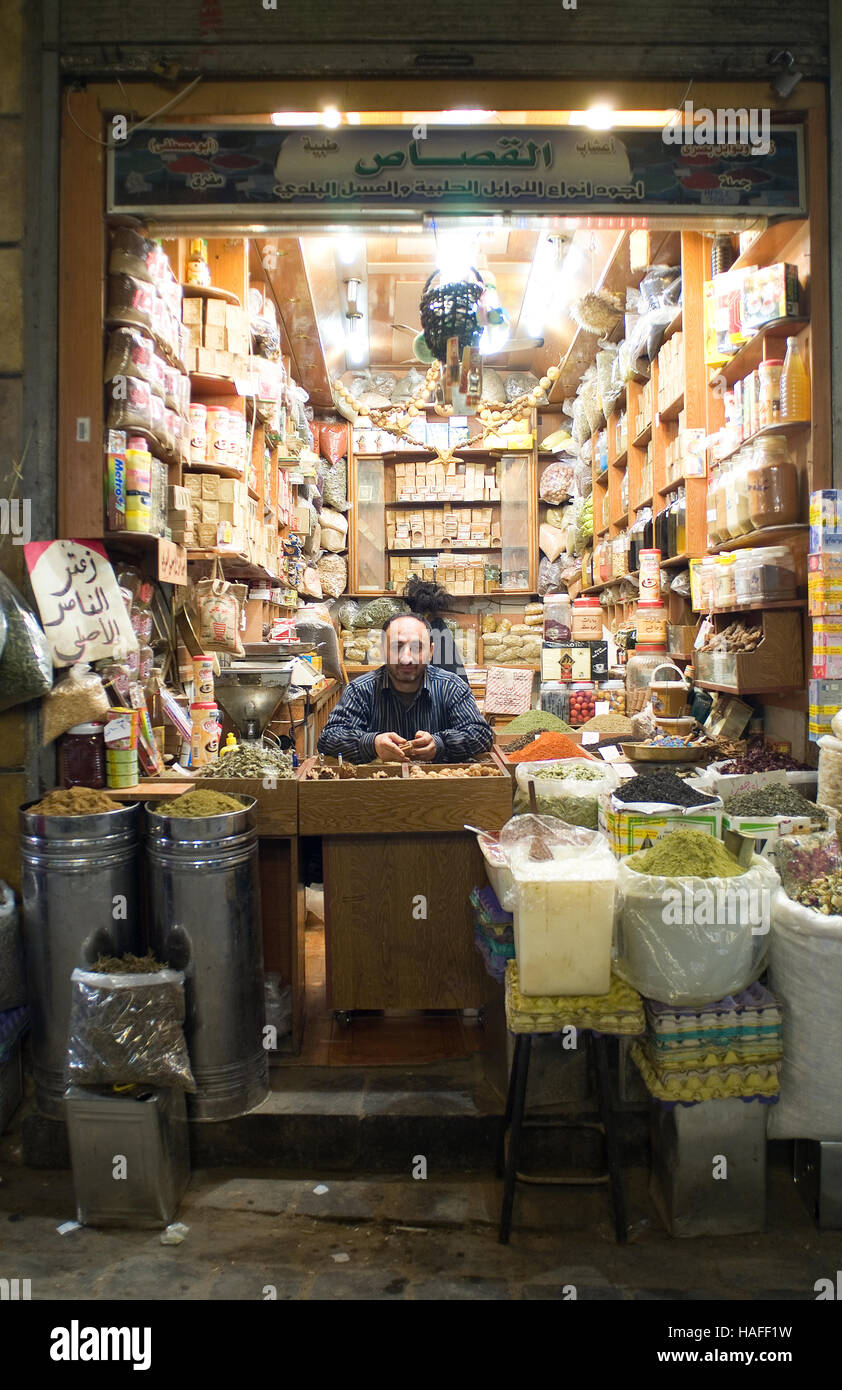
pixel 767 830
pixel 777 661
pixel 399 805
pixel 646 753
pixel 629 831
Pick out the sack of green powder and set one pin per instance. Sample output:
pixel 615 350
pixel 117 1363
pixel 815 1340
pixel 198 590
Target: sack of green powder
pixel 690 939
pixel 128 1028
pixel 26 667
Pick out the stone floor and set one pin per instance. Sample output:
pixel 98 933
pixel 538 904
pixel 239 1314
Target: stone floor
pixel 394 1237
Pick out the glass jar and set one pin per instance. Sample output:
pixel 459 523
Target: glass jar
pixel 587 569
pixel 680 515
pixel 707 578
pixel 772 484
pixel 587 619
pixel 83 756
pixel 764 574
pixel 724 584
pixel 624 492
pixel 639 667
pixel 710 508
pixel 558 618
pixel 738 518
pixel 612 693
pixel 722 501
pixel 605 563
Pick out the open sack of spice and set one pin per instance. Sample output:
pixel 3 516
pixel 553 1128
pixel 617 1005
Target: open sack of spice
pixel 126 1022
pixel 568 789
pixel 805 972
pixel 694 921
pixel 78 698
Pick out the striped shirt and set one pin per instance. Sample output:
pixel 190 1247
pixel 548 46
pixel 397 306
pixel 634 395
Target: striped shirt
pixel 443 706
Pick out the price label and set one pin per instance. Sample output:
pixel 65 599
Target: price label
pixel 590 736
pixel 172 562
pixel 611 753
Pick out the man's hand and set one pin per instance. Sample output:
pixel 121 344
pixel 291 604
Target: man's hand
pixel 390 748
pixel 424 747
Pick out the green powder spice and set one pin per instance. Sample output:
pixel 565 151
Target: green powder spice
pixel 535 721
pixel 204 803
pixel 774 801
pixel 686 854
pixel 571 774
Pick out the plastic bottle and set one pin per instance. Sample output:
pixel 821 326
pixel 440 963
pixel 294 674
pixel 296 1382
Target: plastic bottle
pixel 795 384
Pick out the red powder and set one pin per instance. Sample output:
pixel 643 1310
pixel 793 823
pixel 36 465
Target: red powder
pixel 546 746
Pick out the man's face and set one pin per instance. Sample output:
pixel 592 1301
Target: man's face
pixel 407 651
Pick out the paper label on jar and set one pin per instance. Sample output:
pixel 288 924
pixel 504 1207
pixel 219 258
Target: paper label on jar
pixel 118 730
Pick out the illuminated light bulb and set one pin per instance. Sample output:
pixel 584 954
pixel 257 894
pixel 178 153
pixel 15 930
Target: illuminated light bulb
pixel 600 116
pixel 331 117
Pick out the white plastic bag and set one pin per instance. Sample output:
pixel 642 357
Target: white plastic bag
pixel 691 941
pixel 563 794
pixel 805 974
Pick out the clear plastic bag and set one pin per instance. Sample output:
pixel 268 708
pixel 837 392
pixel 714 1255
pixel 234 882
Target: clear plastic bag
pixel 78 698
pixel 333 482
pixel 550 576
pixel 333 572
pixel 805 974
pixel 12 977
pixel 26 668
pixel 313 626
pixel 346 613
pixel 378 610
pixel 334 530
pixel 693 940
pixel 830 772
pixel 127 1029
pixel 557 481
pixel 551 541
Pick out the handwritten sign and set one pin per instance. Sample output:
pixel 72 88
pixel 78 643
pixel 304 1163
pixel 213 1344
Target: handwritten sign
pixel 172 562
pixel 81 607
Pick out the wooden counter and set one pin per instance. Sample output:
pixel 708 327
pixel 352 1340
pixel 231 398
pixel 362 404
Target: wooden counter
pixel 398 871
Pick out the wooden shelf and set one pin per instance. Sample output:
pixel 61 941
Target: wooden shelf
pixel 735 690
pixel 641 440
pixel 677 562
pixel 752 353
pixel 620 461
pixel 679 482
pixel 767 247
pixel 450 502
pixel 675 325
pixel 673 409
pixel 783 427
pixel 448 549
pixel 220 469
pixel 202 384
pixel 763 607
pixel 768 535
pixel 647 502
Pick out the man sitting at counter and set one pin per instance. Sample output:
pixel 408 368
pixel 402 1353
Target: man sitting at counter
pixel 407 708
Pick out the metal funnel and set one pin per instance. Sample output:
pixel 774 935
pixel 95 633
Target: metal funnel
pixel 250 693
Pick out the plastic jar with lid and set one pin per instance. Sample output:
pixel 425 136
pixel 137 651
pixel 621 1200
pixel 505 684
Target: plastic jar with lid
pixel 773 491
pixel 724 586
pixel 710 508
pixel 558 618
pixel 83 756
pixel 765 574
pixel 650 623
pixel 722 501
pixel 769 412
pixel 639 667
pixel 612 693
pixel 582 703
pixel 218 435
pixel 587 619
pixel 707 577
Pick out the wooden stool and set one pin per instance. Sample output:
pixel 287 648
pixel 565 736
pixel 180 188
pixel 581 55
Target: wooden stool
pixel 619 1013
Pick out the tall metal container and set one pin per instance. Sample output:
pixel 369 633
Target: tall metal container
pixel 81 899
pixel 204 894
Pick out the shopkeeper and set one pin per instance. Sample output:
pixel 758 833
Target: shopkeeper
pixel 407 700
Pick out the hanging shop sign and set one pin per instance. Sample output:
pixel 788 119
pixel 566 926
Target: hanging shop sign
pixel 82 609
pixel 400 171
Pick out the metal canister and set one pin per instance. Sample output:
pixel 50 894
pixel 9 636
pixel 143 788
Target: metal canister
pixel 204 894
pixel 81 899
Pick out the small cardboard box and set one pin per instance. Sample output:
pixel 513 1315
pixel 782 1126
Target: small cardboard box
pixel 210 511
pixel 215 312
pixel 191 311
pixel 206 535
pixel 767 830
pixel 193 484
pixel 566 661
pixel 629 831
pixel 210 486
pixel 214 337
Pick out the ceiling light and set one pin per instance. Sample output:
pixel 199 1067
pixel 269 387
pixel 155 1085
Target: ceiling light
pixel 348 249
pixel 357 346
pixel 468 116
pixel 633 120
pixel 331 117
pixel 296 118
pixel 600 116
pixel 352 289
pixel 784 83
pixel 353 117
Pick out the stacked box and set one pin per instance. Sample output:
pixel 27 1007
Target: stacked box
pixel 827 648
pixel 825 701
pixel 826 522
pixel 770 292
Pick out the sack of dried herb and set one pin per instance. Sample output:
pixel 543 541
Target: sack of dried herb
pixel 127 1028
pixel 26 667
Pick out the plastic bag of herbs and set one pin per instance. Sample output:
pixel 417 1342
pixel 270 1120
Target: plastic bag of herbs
pixel 26 667
pixel 568 789
pixel 126 1026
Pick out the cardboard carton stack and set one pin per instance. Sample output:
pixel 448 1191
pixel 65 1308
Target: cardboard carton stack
pixel 219 337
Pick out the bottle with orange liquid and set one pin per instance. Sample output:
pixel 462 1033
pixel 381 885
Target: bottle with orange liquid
pixel 795 384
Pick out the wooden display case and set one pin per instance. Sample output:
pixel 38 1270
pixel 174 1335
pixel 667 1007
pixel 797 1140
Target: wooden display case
pixel 775 665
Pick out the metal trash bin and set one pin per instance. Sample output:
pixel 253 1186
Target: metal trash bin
pixel 130 1154
pixel 80 899
pixel 688 1145
pixel 204 895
